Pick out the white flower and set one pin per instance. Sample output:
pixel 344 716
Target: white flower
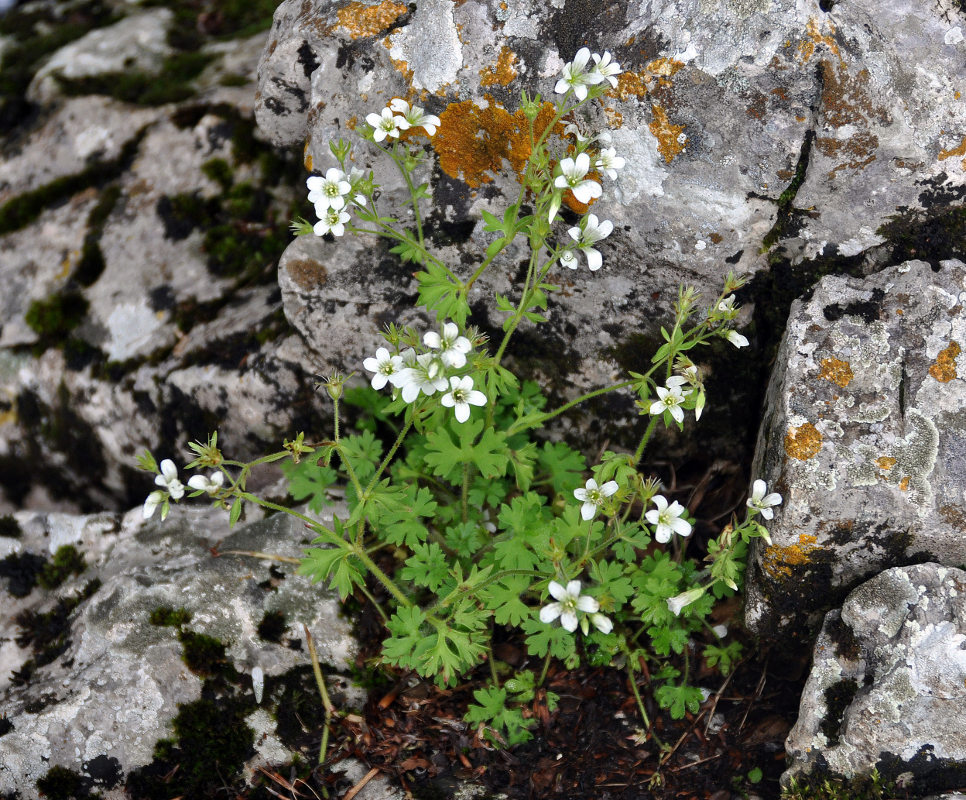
pixel 593 497
pixel 461 396
pixel 210 485
pixel 356 176
pixel 574 76
pixel 152 502
pixel 453 347
pixel 385 367
pixel 678 602
pixel 328 192
pixel 671 398
pixel 384 124
pixel 413 117
pixel 602 623
pixel 568 258
pixel 331 220
pixel 736 339
pixel 759 501
pixel 609 162
pixel 168 479
pixel 423 376
pixel 591 232
pixel 726 307
pixel 569 602
pixel 554 206
pixel 574 170
pixel 668 520
pixel 605 70
pixel 720 631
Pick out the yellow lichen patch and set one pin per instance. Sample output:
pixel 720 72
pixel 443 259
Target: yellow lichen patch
pixel 614 118
pixel 307 158
pixel 360 20
pixel 846 101
pixel 956 151
pixel 885 463
pixel 815 37
pixel 839 372
pixel 904 483
pixel 778 561
pixel 803 442
pixel 473 141
pixel 502 72
pixel 664 67
pixel 667 135
pixel 944 370
pixel 632 84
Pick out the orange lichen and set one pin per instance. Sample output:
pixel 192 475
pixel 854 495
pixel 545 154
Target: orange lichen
pixel 637 84
pixel 307 158
pixel 502 72
pixel 960 150
pixel 944 370
pixel 814 36
pixel 885 463
pixel 473 141
pixel 360 20
pixel 778 561
pixel 666 134
pixel 664 67
pixel 839 372
pixel 803 442
pixel 904 483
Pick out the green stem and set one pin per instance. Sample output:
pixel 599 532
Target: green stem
pixel 392 451
pixel 644 439
pixel 464 496
pixel 637 695
pixel 335 404
pixel 314 524
pixel 535 421
pixel 453 595
pixel 381 576
pixel 543 672
pixel 326 702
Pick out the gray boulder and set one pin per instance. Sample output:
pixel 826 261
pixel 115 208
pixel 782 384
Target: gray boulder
pixel 888 684
pixel 94 673
pixel 863 435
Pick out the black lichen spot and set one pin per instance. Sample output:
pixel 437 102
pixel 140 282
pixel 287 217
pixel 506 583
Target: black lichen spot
pixel 735 258
pixel 9 527
pixel 930 773
pixel 173 617
pixel 5 725
pixel 20 570
pixel 827 5
pixel 105 771
pixel 842 635
pixel 273 626
pixel 933 234
pixel 66 562
pixel 838 697
pixel 299 706
pixel 182 213
pixel 866 310
pixel 307 59
pixel 38 704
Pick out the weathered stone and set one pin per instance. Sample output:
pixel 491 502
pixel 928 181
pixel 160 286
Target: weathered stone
pixel 112 685
pixel 888 684
pixel 864 436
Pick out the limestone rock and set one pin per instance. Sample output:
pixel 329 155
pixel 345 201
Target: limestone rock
pixel 864 436
pixel 93 686
pixel 886 690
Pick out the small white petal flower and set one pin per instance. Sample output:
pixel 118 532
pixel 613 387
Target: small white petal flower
pixel 461 396
pixel 737 339
pixel 574 76
pixel 609 162
pixel 384 365
pixel 453 347
pixel 413 117
pixel 151 503
pixel 573 172
pixel 568 258
pixel 593 497
pixel 591 231
pixel 384 124
pixel 602 623
pixel 210 485
pixel 726 307
pixel 555 202
pixel 670 399
pixel 667 519
pixel 424 376
pixel 605 70
pixel 759 501
pixel 328 192
pixel 331 220
pixel 720 631
pixel 569 602
pixel 678 602
pixel 168 479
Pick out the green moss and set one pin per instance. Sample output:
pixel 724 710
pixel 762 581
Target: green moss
pixel 233 79
pixel 66 561
pixel 787 197
pixel 173 83
pixel 57 316
pixel 9 527
pixel 864 787
pixel 172 617
pixel 219 171
pixel 61 783
pixel 205 655
pixel 272 626
pixel 91 263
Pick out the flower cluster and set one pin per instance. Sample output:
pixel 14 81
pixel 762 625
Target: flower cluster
pixel 329 196
pixel 413 374
pixel 399 116
pixel 173 489
pixel 576 76
pixel 569 602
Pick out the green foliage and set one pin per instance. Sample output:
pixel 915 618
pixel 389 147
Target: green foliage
pixel 170 617
pixel 863 787
pixel 66 561
pixel 56 317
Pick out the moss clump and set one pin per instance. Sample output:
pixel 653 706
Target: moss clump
pixel 9 527
pixel 272 626
pixel 21 570
pixel 47 633
pixel 863 787
pixel 58 316
pixel 66 561
pixel 205 655
pixel 173 83
pixel 220 172
pixel 171 617
pixel 838 697
pixel 787 197
pixel 932 235
pixel 61 783
pixel 5 725
pixel 91 263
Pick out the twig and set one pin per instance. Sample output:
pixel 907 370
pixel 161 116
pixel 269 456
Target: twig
pixel 717 697
pixel 255 554
pixel 758 690
pixel 326 702
pixel 358 787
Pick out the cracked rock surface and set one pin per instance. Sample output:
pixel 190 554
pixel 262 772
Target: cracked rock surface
pixel 864 436
pixel 886 688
